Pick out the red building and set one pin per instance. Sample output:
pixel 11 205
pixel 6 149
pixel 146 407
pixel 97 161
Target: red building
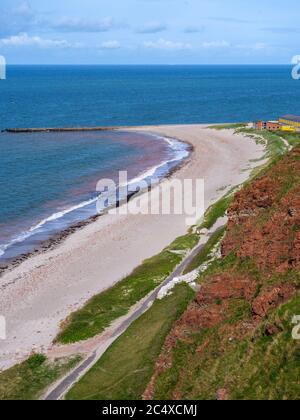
pixel 267 125
pixel 273 125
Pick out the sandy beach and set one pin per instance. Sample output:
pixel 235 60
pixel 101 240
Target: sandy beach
pixel 37 295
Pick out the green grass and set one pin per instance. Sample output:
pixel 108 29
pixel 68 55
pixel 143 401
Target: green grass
pixel 273 141
pixel 30 379
pixel 292 138
pixel 271 365
pixel 204 254
pixel 258 367
pixel 127 366
pixel 115 302
pixel 216 211
pixel 275 147
pixel 228 126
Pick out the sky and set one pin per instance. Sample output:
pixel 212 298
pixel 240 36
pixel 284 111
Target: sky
pixel 149 31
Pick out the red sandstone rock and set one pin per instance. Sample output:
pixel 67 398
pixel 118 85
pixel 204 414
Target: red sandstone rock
pixel 271 299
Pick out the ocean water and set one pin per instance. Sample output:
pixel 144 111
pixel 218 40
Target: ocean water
pixel 37 96
pixel 47 180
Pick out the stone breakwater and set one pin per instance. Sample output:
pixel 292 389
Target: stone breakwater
pixel 57 130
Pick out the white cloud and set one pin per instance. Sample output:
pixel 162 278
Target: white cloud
pixel 25 40
pixel 152 28
pixel 258 46
pixel 110 45
pixel 163 44
pixel 216 44
pixel 84 25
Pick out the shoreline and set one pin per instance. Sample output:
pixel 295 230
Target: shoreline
pixel 44 289
pixel 55 238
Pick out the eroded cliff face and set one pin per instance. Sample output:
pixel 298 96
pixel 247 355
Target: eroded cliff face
pixel 221 346
pixel 264 220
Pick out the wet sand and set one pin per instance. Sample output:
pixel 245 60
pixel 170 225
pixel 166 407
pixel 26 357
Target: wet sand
pixel 38 294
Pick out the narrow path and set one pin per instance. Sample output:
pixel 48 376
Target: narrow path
pixel 61 388
pixel 286 143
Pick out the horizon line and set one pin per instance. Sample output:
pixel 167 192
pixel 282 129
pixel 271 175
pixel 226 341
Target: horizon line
pixel 149 64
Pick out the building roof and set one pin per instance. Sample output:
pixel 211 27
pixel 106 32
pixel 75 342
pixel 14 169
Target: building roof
pixel 291 117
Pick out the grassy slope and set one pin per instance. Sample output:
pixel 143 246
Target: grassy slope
pixel 216 211
pixel 115 302
pixel 126 368
pixel 28 380
pixel 276 359
pixel 258 366
pixel 274 144
pixel 203 256
pixel 292 138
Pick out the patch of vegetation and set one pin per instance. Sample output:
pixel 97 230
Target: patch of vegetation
pixel 30 379
pixel 127 366
pixel 273 141
pixel 184 243
pixel 204 254
pixel 271 364
pixel 240 310
pixel 216 211
pixel 228 126
pixel 104 308
pixel 257 367
pixel 292 138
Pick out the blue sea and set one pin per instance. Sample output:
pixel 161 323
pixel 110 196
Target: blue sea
pixel 47 180
pixel 37 96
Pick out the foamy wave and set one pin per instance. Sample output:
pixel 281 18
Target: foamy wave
pixel 34 229
pixel 176 146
